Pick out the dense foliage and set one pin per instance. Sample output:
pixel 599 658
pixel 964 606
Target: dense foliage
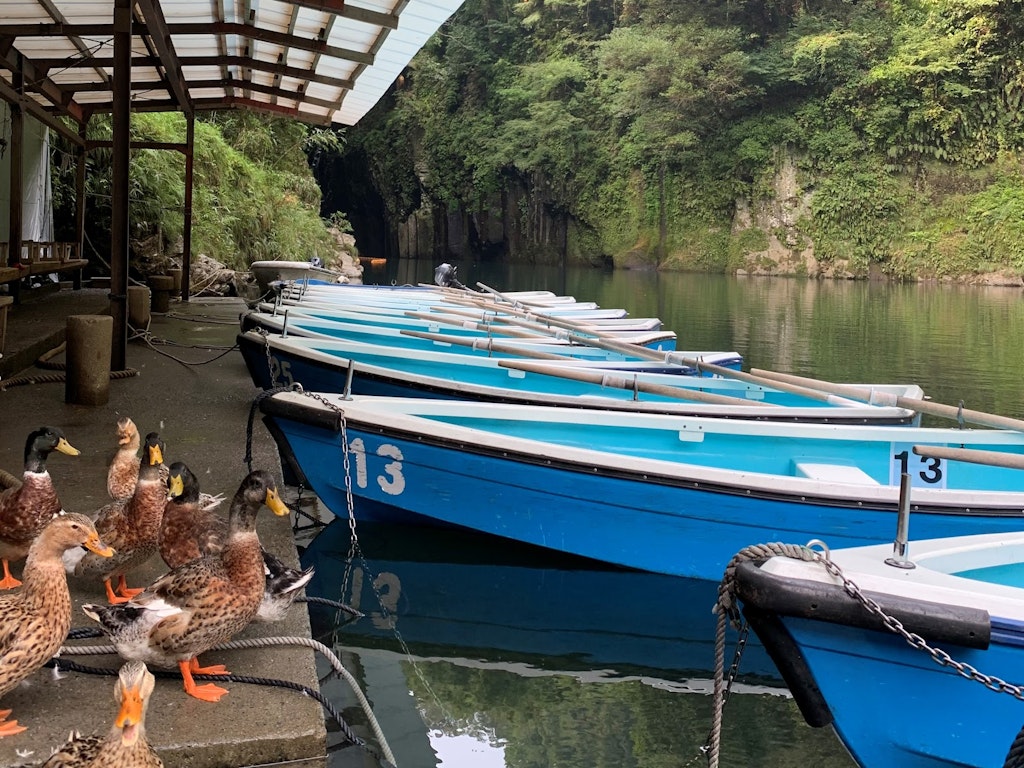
pixel 254 196
pixel 896 126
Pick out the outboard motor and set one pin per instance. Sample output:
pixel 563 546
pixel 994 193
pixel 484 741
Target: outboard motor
pixel 444 276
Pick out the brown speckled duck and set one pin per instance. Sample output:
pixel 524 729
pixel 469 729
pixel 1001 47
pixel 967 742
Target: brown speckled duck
pixel 27 508
pixel 131 527
pixel 199 604
pixel 123 472
pixel 190 530
pixel 35 620
pixel 125 746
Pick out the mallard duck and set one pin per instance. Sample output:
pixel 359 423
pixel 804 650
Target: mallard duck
pixel 35 620
pixel 131 527
pixel 123 472
pixel 199 604
pixel 190 530
pixel 281 588
pixel 125 746
pixel 27 508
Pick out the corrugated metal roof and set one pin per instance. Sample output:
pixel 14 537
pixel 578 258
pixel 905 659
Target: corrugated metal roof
pixel 319 61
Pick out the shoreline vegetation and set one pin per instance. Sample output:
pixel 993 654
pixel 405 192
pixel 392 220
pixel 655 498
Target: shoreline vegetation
pixel 834 140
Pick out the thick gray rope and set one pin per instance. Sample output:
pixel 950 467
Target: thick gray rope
pixel 728 611
pixel 264 642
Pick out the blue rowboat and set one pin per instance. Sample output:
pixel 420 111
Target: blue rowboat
pixel 949 694
pixel 452 589
pixel 337 366
pixel 410 298
pixel 407 338
pixel 667 494
pixel 306 321
pixel 447 314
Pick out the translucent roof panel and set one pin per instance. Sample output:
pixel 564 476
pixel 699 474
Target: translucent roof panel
pixel 322 61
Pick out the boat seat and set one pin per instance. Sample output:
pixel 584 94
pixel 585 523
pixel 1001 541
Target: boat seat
pixel 834 473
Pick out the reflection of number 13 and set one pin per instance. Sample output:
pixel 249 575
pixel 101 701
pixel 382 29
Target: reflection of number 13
pixel 392 481
pixel 932 472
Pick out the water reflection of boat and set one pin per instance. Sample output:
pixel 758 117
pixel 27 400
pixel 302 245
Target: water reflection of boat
pixel 451 592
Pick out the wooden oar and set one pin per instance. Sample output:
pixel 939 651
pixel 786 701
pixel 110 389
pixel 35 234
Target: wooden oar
pixel 485 344
pixel 603 341
pixel 868 395
pixel 476 325
pixel 973 455
pixel 498 323
pixel 617 379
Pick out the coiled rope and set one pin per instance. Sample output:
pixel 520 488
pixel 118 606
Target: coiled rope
pixel 263 642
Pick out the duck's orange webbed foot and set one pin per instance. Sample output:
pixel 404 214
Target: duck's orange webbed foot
pixel 9 727
pixel 125 591
pixel 216 669
pixel 112 597
pixel 207 692
pixel 8 581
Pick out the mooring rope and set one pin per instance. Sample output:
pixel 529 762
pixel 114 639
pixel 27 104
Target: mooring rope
pixel 264 642
pixel 728 612
pixel 49 378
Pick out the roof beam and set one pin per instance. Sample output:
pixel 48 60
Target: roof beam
pixel 270 90
pixel 79 43
pixel 36 80
pixel 9 94
pixel 269 36
pixel 158 29
pixel 163 41
pixel 339 8
pixel 269 66
pixel 226 83
pixel 261 106
pixel 194 61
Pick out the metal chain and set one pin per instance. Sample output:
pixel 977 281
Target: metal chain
pixel 939 656
pixel 355 551
pixel 266 351
pixel 816 551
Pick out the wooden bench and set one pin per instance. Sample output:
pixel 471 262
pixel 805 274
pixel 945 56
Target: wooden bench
pixel 47 257
pixel 43 258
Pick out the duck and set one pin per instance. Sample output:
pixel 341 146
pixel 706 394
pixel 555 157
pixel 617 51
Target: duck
pixel 123 472
pixel 132 527
pixel 190 530
pixel 125 745
pixel 34 621
pixel 26 509
pixel 281 587
pixel 201 603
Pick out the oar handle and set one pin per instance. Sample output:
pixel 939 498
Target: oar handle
pixel 867 395
pixel 973 455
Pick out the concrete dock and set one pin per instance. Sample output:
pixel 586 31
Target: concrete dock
pixel 198 399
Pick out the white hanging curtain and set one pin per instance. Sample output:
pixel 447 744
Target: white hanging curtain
pixel 37 203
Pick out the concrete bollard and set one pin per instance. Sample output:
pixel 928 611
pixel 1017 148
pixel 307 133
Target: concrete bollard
pixel 89 340
pixel 161 286
pixel 175 275
pixel 138 307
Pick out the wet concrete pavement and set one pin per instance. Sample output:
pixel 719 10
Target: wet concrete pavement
pixel 199 400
